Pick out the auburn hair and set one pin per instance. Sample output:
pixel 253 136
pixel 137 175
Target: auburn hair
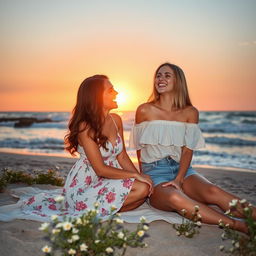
pixel 88 110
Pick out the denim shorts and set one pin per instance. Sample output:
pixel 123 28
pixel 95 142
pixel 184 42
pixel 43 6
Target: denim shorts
pixel 164 170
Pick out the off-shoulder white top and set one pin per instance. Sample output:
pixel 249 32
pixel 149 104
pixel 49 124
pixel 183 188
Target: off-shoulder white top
pixel 161 138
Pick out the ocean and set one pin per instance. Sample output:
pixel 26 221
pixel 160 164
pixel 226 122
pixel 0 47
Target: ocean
pixel 230 136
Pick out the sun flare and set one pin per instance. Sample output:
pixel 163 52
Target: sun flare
pixel 121 99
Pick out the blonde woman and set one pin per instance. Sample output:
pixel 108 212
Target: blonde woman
pixel 165 134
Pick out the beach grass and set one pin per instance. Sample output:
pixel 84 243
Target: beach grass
pixel 11 176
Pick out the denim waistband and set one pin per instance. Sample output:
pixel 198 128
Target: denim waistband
pixel 166 160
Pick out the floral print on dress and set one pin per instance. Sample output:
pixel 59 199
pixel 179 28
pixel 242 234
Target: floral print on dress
pixel 83 188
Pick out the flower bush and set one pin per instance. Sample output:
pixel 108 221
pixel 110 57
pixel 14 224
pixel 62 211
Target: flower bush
pixel 241 244
pixel 189 228
pixel 89 235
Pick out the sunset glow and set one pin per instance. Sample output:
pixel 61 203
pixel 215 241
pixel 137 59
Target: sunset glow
pixel 47 53
pixel 122 100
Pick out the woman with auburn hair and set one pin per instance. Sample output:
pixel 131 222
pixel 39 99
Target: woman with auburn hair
pixel 165 134
pixel 104 174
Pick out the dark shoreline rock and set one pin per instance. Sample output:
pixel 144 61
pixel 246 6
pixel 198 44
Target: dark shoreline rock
pixel 25 121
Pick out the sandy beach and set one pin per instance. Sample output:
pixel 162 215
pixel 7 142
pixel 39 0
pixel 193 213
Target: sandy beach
pixel 21 237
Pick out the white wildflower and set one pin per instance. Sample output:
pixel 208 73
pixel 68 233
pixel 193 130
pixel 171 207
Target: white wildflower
pixel 75 230
pixel 196 208
pixel 198 223
pixel 186 234
pixel 142 219
pixel 44 226
pixel 221 224
pixel 183 211
pixel 237 245
pixel 120 235
pixel 96 241
pixel 83 247
pixel 109 250
pixel 222 247
pixel 141 233
pixel 96 204
pixel 46 249
pixel 75 237
pixel 227 212
pixel 79 221
pixel 71 251
pixel 70 241
pixel 119 221
pixel 59 199
pixel 178 233
pixel 246 209
pixel 113 207
pixel 145 227
pixel 67 226
pixel 243 201
pixel 233 203
pixel 55 231
pixel 145 245
pixel 59 225
pixel 54 217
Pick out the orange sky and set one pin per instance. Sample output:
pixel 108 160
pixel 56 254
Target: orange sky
pixel 49 48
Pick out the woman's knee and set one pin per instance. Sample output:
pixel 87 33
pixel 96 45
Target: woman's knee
pixel 175 199
pixel 141 189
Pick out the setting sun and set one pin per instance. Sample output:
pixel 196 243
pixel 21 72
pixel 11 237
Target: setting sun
pixel 121 99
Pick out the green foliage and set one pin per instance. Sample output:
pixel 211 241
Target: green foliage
pixel 189 228
pixel 89 235
pixel 9 176
pixel 242 245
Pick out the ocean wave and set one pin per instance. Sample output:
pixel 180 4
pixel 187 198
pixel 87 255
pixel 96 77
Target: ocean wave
pixel 61 125
pixel 52 125
pixel 248 121
pixel 228 128
pixel 223 159
pixel 48 143
pixel 220 140
pixel 237 114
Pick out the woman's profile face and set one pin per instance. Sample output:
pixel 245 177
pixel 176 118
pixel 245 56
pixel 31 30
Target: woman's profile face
pixel 109 96
pixel 164 80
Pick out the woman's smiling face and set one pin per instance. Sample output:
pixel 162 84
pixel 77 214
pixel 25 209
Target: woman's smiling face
pixel 109 96
pixel 164 80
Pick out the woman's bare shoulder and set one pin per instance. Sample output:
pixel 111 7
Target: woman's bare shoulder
pixel 117 119
pixel 143 112
pixel 192 114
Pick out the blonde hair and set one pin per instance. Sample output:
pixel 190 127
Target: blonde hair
pixel 181 95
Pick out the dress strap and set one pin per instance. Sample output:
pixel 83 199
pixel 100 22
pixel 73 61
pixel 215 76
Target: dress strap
pixel 114 122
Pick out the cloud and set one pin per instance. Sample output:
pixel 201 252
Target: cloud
pixel 247 43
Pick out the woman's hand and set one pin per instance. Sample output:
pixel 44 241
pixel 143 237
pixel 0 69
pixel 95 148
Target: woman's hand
pixel 176 183
pixel 146 179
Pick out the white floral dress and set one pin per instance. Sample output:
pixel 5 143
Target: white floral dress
pixel 82 189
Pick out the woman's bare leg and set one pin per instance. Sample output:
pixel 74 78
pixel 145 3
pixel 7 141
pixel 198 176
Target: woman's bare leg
pixel 136 197
pixel 171 199
pixel 201 190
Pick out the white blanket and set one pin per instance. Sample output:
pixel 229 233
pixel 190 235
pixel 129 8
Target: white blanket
pixel 13 211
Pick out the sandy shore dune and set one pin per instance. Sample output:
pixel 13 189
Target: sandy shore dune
pixel 21 237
